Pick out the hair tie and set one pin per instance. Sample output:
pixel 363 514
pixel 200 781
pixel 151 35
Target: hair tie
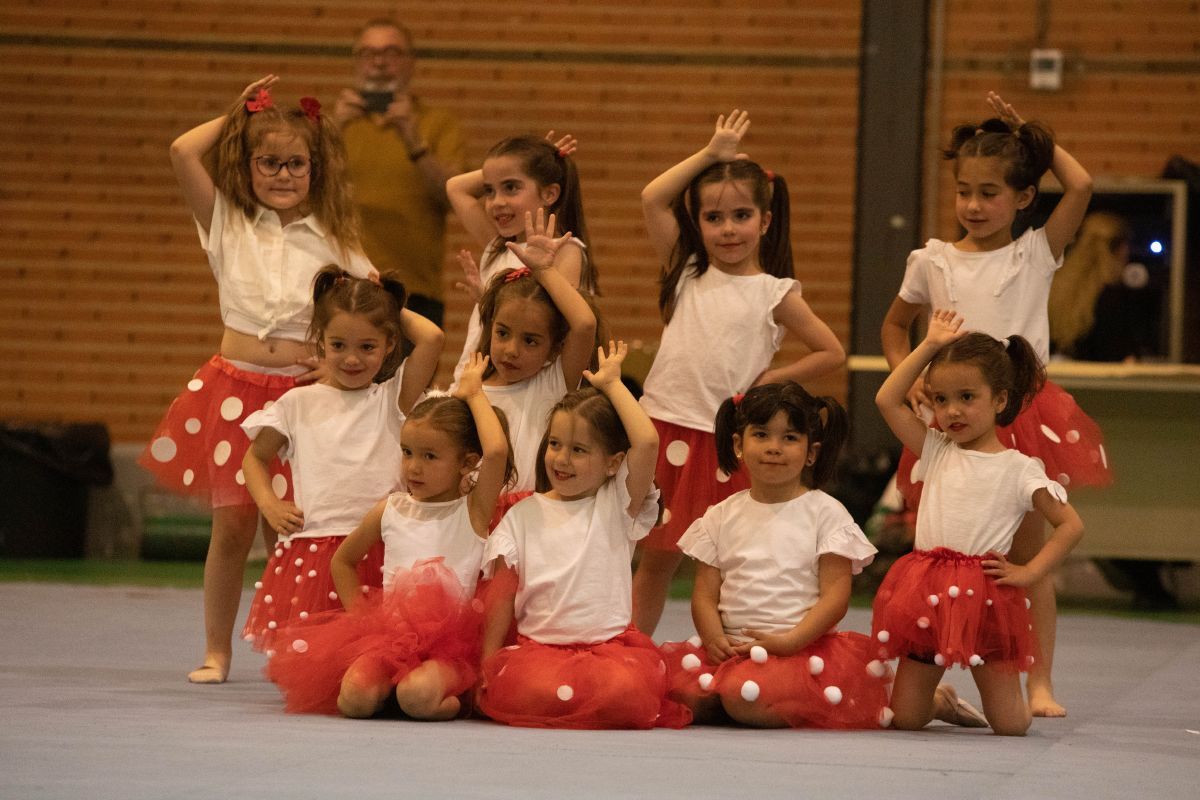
pixel 738 398
pixel 517 274
pixel 1004 342
pixel 340 280
pixel 260 102
pixel 562 152
pixel 770 173
pixel 311 107
pixel 980 131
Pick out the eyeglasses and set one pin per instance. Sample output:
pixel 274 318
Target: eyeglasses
pixel 386 53
pixel 269 166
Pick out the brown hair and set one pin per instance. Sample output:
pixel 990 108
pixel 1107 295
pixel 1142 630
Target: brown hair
pixel 1026 151
pixel 1014 368
pixel 452 416
pixel 590 405
pixel 1090 265
pixel 335 290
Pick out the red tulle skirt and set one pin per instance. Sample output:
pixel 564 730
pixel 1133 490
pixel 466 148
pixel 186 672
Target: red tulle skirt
pixel 690 481
pixel 620 683
pixel 422 617
pixel 834 682
pixel 939 608
pixel 199 445
pixel 503 504
pixel 1052 429
pixel 297 583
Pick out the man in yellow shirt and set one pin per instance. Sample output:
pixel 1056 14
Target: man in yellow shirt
pixel 400 151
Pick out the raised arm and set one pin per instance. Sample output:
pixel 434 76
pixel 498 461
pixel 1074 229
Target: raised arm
pixel 826 353
pixel 187 158
pixel 436 163
pixel 944 327
pixel 893 335
pixel 494 459
pixel 282 516
pixel 343 567
pixel 661 192
pixel 422 362
pixel 1076 183
pixel 642 456
pixel 464 193
pixel 538 254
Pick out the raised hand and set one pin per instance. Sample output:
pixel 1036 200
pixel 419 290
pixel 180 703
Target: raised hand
pixel 945 326
pixel 471 282
pixel 566 144
pixel 1004 110
pixel 540 244
pixel 265 82
pixel 728 135
pixel 349 105
pixel 470 382
pixel 609 370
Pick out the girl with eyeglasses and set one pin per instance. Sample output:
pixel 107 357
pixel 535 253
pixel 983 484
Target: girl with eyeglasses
pixel 273 211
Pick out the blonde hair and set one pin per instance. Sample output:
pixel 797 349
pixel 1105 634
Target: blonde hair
pixel 1089 266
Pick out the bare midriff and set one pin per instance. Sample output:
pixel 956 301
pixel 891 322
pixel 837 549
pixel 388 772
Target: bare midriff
pixel 269 352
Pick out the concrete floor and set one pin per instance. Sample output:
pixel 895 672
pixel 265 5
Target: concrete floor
pixel 94 704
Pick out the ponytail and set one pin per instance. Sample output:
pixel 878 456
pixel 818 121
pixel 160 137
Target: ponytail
pixel 834 430
pixel 1028 377
pixel 1011 367
pixel 726 426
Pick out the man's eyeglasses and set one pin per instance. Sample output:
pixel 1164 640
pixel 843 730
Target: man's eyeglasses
pixel 386 53
pixel 269 166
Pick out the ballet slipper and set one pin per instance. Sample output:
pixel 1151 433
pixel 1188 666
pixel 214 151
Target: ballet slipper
pixel 949 707
pixel 208 674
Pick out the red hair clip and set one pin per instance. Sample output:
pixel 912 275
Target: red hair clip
pixel 260 102
pixel 737 399
pixel 770 173
pixel 311 107
pixel 517 274
pixel 563 152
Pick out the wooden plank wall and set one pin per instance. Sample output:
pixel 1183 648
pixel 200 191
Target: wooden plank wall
pixel 106 299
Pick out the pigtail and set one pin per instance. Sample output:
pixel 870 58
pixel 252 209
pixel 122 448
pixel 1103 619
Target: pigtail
pixel 1037 141
pixel 232 168
pixel 510 465
pixel 568 211
pixel 687 252
pixel 335 290
pixel 775 248
pixel 726 425
pixel 1027 151
pixel 1028 377
pixel 834 429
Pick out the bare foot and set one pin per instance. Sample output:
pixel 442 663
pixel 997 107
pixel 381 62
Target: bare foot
pixel 949 707
pixel 212 671
pixel 1042 702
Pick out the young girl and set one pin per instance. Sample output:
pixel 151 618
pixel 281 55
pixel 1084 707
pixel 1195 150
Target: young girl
pixel 539 333
pixel 958 598
pixel 720 225
pixel 579 663
pixel 273 213
pixel 773 568
pixel 1001 285
pixel 420 641
pixel 341 437
pixel 520 176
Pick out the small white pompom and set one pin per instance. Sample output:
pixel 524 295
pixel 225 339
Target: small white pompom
pixel 987 602
pixel 303 615
pixel 970 592
pixel 833 694
pixel 300 646
pixel 268 599
pixel 885 717
pixel 694 641
pixel 690 662
pixel 1027 603
pixel 750 691
pixel 278 552
pixel 299 562
pixel 940 660
pixel 952 591
pixel 932 600
pixel 883 636
pixel 258 584
pixel 565 693
pixel 876 668
pixel 298 579
pixel 272 624
pixel 975 661
pixel 312 573
pixel 312 548
pixel 923 622
pixel 816 665
pixel 706 681
pixel 279 570
pixel 758 654
pixel 333 595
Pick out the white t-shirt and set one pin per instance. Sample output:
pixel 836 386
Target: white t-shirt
pixel 768 555
pixel 973 502
pixel 343 446
pixel 265 271
pixel 527 406
pixel 576 584
pixel 414 531
pixel 504 261
pixel 1000 292
pixel 721 337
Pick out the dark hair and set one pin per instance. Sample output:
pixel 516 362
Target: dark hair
pixel 335 290
pixel 591 405
pixel 1014 368
pixel 821 419
pixel 453 416
pixel 1026 151
pixel 541 161
pixel 770 195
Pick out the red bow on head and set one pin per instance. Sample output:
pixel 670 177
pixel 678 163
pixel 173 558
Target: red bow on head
pixel 517 274
pixel 260 101
pixel 311 108
pixel 737 399
pixel 770 175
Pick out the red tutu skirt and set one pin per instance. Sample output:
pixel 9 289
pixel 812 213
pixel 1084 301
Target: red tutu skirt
pixel 690 481
pixel 1052 429
pixel 505 502
pixel 199 445
pixel 834 682
pixel 620 683
pixel 939 608
pixel 422 617
pixel 297 584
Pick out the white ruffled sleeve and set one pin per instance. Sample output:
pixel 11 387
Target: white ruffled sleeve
pixel 1034 477
pixel 278 418
pixel 837 533
pixel 698 540
pixel 501 544
pixel 780 288
pixel 617 493
pixel 915 286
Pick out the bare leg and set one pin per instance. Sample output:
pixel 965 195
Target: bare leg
pixel 422 693
pixel 364 688
pixel 224 568
pixel 1003 703
pixel 651 582
pixel 914 694
pixel 1043 608
pixel 755 714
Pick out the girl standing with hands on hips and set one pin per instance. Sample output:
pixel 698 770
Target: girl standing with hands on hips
pixel 420 639
pixel 561 562
pixel 958 598
pixel 719 223
pixel 273 213
pixel 341 437
pixel 773 569
pixel 521 176
pixel 1002 286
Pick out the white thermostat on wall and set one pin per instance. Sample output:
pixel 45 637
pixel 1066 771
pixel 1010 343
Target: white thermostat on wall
pixel 1045 69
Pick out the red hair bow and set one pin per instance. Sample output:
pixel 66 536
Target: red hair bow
pixel 260 102
pixel 517 274
pixel 770 173
pixel 311 107
pixel 737 399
